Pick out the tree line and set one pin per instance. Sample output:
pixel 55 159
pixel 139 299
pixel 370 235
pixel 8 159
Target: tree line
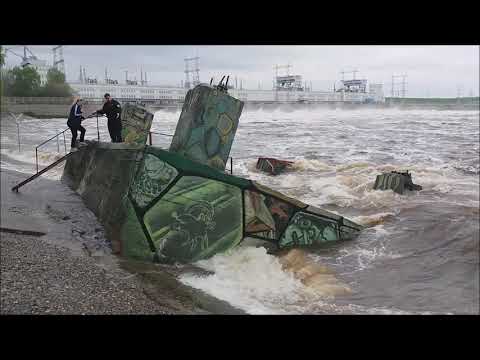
pixel 25 81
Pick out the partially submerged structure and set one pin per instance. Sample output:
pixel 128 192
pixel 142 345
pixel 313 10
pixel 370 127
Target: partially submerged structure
pixel 398 181
pixel 180 205
pixel 273 166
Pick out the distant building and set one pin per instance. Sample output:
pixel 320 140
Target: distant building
pixel 289 82
pixel 354 86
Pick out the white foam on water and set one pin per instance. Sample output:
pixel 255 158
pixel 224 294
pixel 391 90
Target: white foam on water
pixel 250 279
pixel 366 254
pixel 254 281
pixel 303 164
pixel 374 219
pixel 28 157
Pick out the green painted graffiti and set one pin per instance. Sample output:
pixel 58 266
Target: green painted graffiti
pixel 308 229
pixel 136 123
pixel 207 126
pixel 196 218
pixel 154 176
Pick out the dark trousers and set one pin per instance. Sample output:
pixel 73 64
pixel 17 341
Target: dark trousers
pixel 115 130
pixel 74 129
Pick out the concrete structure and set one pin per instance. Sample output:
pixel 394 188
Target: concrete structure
pixel 180 205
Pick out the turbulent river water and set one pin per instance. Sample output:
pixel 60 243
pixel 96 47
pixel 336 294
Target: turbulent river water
pixel 420 252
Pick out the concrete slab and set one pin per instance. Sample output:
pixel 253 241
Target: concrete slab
pixel 21 224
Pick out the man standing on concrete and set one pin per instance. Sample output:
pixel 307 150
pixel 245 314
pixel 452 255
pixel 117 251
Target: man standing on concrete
pixel 112 109
pixel 74 122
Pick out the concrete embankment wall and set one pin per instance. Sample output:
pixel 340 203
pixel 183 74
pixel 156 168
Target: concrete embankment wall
pixel 37 106
pixel 43 107
pixel 102 174
pixel 433 103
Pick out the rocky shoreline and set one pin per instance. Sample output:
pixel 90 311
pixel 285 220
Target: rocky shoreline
pixel 71 270
pixel 39 278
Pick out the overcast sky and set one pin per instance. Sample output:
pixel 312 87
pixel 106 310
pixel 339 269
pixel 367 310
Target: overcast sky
pixel 436 71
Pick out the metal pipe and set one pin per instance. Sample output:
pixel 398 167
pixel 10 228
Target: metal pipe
pixel 150 137
pixel 153 132
pixel 36 157
pixel 64 142
pixel 231 165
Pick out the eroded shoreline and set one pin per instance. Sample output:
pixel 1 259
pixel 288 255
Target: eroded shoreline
pixel 71 270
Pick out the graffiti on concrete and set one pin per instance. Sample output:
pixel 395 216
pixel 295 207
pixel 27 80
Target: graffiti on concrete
pixel 194 218
pixel 308 229
pixel 266 216
pixel 176 205
pixel 207 126
pixel 136 124
pixel 153 178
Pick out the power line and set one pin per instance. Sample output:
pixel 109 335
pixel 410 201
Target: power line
pixel 58 61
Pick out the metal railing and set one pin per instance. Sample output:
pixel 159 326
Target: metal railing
pixel 56 137
pixel 46 141
pixel 150 142
pixel 231 165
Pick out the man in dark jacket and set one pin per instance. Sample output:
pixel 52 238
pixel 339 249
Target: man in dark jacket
pixel 74 122
pixel 112 109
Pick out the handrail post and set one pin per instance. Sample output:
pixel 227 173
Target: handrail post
pixel 231 165
pixel 36 157
pixel 64 142
pixel 98 131
pixel 58 144
pixel 150 137
pixel 18 135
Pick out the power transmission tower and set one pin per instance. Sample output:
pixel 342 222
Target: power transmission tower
pixel 195 71
pixel 343 72
pixel 459 91
pixel 58 61
pixel 288 66
pixel 403 84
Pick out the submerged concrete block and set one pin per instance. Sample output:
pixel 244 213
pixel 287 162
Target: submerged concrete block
pixel 273 166
pixel 396 181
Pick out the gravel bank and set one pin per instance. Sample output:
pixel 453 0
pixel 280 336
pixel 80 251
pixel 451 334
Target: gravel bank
pixel 71 270
pixel 39 278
